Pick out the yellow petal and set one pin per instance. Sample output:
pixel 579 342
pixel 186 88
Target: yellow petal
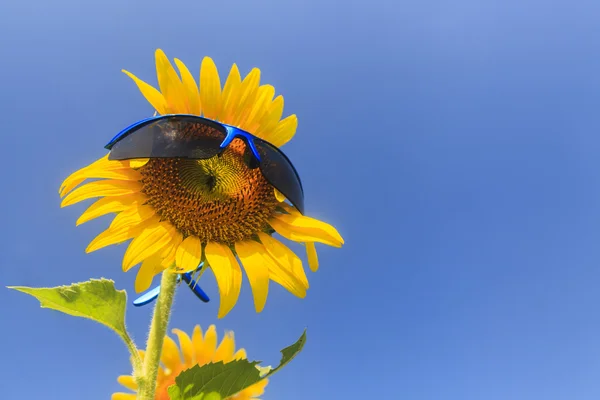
pixel 270 119
pixel 148 242
pixel 279 196
pixel 261 107
pixel 285 130
pixel 102 188
pixel 300 221
pixel 255 390
pixel 169 258
pixel 168 253
pixel 197 343
pixel 282 276
pixel 188 254
pixel 290 234
pixel 210 88
pixel 298 227
pixel 101 168
pixel 154 97
pixel 227 273
pixel 226 348
pixel 127 381
pixel 116 236
pixel 248 90
pixel 138 162
pixel 190 87
pixel 264 96
pixel 205 353
pixel 285 257
pixel 123 396
pixel 185 344
pixel 256 270
pixel 70 183
pixel 170 356
pixel 290 209
pixel 123 174
pixel 107 205
pixel 170 85
pixel 133 216
pixel 161 375
pixel 311 254
pixel 240 354
pixel 231 94
pixel 110 237
pixel 77 177
pixel 149 269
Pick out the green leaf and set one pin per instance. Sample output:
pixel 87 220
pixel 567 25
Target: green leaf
pixel 96 299
pixel 289 353
pixel 225 380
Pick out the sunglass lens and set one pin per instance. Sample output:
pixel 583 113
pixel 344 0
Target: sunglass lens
pixel 280 173
pixel 174 136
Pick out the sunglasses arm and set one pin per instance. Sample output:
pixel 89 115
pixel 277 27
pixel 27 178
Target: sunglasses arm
pixel 153 293
pixel 193 285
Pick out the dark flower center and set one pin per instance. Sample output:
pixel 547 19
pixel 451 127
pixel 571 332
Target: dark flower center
pixel 219 199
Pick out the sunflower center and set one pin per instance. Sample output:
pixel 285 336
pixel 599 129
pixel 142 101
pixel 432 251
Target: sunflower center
pixel 219 199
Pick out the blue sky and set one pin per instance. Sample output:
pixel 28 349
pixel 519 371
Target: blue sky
pixel 454 145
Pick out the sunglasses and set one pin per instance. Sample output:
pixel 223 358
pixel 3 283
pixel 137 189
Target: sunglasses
pixel 152 294
pixel 194 137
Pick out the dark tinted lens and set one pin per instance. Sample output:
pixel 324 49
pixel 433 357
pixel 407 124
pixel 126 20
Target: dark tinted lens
pixel 172 136
pixel 279 171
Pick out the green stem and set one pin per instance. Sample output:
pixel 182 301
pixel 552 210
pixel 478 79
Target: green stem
pixel 136 360
pixel 158 329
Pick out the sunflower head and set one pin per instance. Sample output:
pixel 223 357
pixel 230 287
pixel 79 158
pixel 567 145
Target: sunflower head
pixel 179 212
pixel 200 349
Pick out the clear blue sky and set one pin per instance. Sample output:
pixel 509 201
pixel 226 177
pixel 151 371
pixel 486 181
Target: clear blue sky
pixel 455 144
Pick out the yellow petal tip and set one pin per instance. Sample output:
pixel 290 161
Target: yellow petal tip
pixel 127 265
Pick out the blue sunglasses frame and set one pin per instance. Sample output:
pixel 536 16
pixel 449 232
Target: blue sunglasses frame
pixel 153 293
pixel 232 132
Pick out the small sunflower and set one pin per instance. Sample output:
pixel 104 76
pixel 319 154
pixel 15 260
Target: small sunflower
pixel 180 212
pixel 198 350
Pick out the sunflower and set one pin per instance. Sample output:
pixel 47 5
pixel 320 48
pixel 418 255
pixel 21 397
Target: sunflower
pixel 198 350
pixel 179 212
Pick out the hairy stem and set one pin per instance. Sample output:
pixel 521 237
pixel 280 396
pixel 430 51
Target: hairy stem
pixel 158 329
pixel 136 360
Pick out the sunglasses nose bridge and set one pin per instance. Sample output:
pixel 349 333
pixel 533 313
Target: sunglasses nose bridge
pixel 233 132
